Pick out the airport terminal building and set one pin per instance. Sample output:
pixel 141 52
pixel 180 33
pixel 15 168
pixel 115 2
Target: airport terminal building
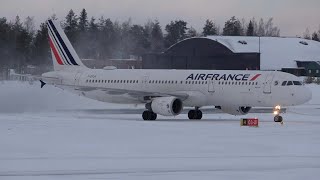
pixel 294 55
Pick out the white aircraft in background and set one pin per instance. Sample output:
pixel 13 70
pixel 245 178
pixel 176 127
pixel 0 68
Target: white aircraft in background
pixel 166 92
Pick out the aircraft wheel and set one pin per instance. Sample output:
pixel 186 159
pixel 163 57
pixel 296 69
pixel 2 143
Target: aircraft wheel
pixel 149 115
pixel 199 114
pixel 195 114
pixel 191 114
pixel 153 116
pixel 278 118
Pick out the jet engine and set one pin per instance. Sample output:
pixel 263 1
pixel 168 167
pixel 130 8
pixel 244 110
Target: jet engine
pixel 235 110
pixel 167 106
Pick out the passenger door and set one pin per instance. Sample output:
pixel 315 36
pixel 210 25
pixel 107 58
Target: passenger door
pixel 268 83
pixel 211 86
pixel 145 80
pixel 77 79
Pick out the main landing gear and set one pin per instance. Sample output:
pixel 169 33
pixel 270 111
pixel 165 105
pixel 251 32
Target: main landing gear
pixel 195 114
pixel 149 116
pixel 276 112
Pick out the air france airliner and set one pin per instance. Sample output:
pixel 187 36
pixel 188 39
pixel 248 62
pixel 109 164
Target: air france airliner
pixel 167 92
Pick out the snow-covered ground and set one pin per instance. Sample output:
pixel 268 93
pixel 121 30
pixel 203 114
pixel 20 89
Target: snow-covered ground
pixel 38 140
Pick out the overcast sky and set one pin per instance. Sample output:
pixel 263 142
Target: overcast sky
pixel 292 16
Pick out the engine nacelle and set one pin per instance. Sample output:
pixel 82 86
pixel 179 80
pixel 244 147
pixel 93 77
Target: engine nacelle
pixel 167 106
pixel 235 110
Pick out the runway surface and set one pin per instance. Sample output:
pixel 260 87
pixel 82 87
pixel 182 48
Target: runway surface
pixel 86 141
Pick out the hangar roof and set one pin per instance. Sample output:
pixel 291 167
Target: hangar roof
pixel 276 52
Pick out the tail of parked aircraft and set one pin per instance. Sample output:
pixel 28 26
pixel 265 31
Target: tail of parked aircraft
pixel 63 54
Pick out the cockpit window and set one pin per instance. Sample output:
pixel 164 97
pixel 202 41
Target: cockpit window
pixel 290 83
pixel 298 83
pixel 284 83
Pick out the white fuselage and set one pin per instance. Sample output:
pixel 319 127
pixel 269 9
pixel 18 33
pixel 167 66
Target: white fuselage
pixel 203 87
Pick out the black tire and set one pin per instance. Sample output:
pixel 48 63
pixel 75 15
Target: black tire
pixel 191 114
pixel 199 115
pixel 278 118
pixel 153 116
pixel 145 115
pixel 149 116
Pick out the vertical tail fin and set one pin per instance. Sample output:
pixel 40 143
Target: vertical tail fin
pixel 63 54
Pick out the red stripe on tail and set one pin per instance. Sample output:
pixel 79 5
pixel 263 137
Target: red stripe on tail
pixel 56 55
pixel 255 77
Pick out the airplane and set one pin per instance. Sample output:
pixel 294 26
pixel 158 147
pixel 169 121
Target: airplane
pixel 167 92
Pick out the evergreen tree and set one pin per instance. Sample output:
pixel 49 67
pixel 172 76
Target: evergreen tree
pixel 106 38
pixel 83 21
pixel 139 39
pixel 192 32
pixel 4 42
pixel 250 29
pixel 29 25
pixel 209 28
pixel 232 27
pixel 176 32
pixel 315 36
pixel 81 43
pixel 93 39
pixel 71 26
pixel 156 40
pixel 41 51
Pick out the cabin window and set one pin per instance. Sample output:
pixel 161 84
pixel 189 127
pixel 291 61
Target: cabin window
pixel 297 83
pixel 284 83
pixel 290 83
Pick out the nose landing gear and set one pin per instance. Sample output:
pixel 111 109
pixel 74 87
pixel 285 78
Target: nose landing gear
pixel 277 117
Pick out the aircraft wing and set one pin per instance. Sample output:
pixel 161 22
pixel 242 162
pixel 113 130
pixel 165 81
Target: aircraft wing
pixel 143 95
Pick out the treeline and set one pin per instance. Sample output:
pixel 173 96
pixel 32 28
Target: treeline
pixel 101 38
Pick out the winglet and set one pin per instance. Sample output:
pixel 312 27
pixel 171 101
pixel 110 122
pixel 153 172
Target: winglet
pixel 42 83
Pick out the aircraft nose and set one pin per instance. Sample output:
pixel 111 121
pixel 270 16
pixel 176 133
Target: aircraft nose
pixel 307 95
